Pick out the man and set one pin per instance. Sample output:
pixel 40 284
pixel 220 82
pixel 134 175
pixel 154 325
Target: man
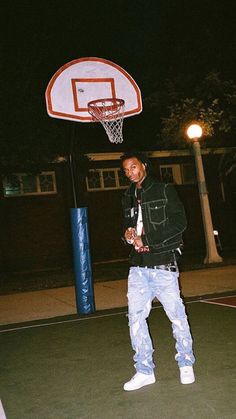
pixel 154 221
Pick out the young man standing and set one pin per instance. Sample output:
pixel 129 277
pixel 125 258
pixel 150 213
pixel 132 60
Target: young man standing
pixel 154 221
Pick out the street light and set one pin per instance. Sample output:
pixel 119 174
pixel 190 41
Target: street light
pixel 194 132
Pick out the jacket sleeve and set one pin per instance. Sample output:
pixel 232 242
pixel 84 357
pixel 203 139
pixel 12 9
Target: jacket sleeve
pixel 173 225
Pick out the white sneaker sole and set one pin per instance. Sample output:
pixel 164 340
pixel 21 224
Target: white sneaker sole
pixel 147 382
pixel 189 381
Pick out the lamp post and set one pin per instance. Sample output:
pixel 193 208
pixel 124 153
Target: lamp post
pixel 194 132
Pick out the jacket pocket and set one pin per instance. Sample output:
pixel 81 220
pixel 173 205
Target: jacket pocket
pixel 156 211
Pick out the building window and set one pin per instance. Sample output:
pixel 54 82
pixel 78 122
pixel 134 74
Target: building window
pixel 188 174
pixel 180 174
pixel 109 179
pixel 106 179
pixel 22 184
pixel 167 174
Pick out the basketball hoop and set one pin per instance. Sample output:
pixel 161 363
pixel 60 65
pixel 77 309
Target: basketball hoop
pixel 110 113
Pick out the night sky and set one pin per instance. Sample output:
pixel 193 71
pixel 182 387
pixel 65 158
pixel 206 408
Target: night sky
pixel 151 39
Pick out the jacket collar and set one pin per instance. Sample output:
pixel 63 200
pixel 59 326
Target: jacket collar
pixel 147 182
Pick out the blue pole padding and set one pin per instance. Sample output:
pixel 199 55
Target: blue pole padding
pixel 82 261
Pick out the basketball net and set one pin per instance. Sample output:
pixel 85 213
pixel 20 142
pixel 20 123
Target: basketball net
pixel 110 113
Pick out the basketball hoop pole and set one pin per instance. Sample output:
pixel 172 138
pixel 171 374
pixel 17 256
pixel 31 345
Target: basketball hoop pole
pixel 81 247
pixel 71 163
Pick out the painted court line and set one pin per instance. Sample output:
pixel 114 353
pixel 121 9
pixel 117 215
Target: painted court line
pixel 55 323
pixel 2 413
pixel 228 301
pixel 32 326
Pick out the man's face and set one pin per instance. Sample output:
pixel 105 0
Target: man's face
pixel 134 169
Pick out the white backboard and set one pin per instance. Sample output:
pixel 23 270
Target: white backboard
pixel 82 80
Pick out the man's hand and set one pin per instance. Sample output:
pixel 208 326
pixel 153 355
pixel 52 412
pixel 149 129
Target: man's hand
pixel 130 234
pixel 138 242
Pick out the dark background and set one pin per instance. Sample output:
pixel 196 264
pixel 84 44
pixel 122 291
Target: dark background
pixel 151 39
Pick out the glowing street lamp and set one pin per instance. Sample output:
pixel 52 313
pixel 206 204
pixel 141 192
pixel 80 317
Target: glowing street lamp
pixel 194 132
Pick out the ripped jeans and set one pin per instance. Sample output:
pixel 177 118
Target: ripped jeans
pixel 143 286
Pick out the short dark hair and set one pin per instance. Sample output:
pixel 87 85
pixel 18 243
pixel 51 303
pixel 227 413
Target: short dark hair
pixel 134 154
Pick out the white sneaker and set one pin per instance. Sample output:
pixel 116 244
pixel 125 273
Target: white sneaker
pixel 139 380
pixel 187 375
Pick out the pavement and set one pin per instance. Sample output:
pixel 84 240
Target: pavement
pixel 109 294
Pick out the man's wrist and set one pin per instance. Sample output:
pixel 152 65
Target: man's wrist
pixel 144 240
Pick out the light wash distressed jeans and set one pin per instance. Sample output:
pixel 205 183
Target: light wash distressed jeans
pixel 143 286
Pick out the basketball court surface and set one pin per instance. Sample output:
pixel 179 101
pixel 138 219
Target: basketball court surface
pixel 74 367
